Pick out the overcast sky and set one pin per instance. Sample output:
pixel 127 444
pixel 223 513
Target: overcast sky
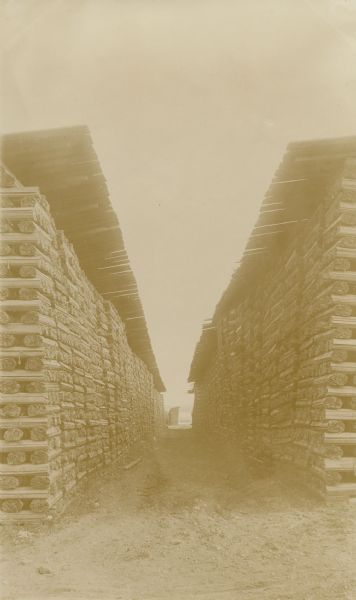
pixel 191 104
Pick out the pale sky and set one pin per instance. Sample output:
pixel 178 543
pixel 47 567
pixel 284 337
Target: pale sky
pixel 190 104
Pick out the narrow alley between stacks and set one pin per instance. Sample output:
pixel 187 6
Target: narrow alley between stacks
pixel 188 521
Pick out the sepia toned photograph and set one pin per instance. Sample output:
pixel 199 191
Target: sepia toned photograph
pixel 178 300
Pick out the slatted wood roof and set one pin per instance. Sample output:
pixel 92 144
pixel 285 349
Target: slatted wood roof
pixel 299 185
pixel 63 164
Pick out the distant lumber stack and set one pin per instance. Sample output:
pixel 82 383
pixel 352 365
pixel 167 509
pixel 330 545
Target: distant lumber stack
pixel 276 366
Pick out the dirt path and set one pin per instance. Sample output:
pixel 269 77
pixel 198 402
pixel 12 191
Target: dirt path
pixel 187 522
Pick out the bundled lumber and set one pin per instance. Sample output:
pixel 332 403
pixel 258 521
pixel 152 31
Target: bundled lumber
pixel 281 376
pixel 30 401
pixel 325 418
pixel 74 396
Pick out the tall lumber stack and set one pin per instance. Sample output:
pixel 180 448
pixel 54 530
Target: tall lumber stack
pixel 277 367
pixel 326 406
pixel 74 395
pixel 31 442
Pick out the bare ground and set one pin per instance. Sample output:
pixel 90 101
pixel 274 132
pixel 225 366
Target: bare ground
pixel 188 522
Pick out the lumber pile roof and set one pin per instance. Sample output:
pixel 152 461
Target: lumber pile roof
pixel 299 185
pixel 63 164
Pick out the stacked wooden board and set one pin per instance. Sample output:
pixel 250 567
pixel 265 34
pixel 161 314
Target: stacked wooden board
pixel 74 395
pixel 63 164
pixel 31 440
pixel 276 368
pixel 325 415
